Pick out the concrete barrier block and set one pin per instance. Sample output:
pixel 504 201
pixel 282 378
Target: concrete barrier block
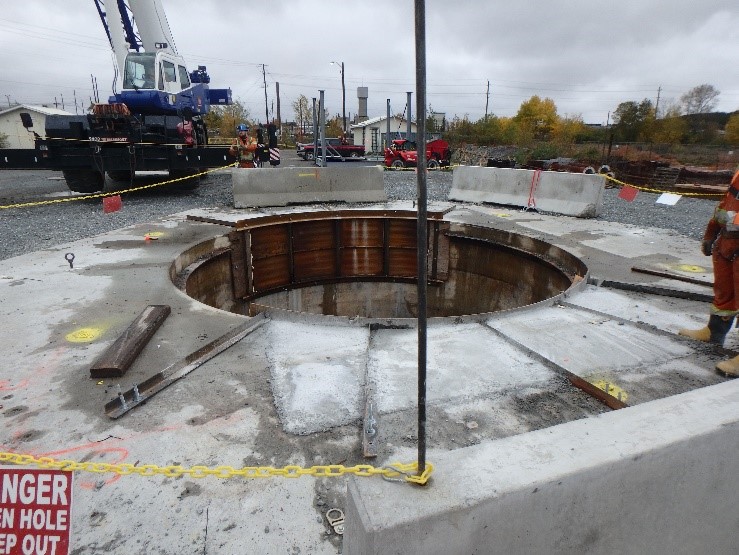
pixel 661 477
pixel 283 186
pixel 570 194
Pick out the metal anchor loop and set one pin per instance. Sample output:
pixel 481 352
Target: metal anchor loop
pixel 69 257
pixel 335 518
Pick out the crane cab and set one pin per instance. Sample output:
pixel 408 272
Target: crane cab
pixel 158 82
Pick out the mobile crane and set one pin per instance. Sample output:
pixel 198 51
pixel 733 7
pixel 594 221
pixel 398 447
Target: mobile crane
pixel 154 123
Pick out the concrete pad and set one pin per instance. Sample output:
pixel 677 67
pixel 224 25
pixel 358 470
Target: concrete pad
pixel 282 186
pixel 317 374
pixel 490 366
pixel 231 412
pixel 602 342
pixel 571 194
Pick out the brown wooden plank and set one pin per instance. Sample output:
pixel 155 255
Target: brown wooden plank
pixel 120 355
pixel 142 392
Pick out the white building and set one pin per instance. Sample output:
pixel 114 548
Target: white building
pixel 371 133
pixel 11 124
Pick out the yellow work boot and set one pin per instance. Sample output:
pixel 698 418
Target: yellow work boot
pixel 729 367
pixel 714 332
pixel 703 334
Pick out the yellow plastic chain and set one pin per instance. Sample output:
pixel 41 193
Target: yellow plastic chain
pixel 114 193
pixel 399 471
pixel 651 190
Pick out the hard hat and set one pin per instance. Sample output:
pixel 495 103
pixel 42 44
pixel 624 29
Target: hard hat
pixel 242 127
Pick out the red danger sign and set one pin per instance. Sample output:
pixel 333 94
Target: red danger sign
pixel 35 511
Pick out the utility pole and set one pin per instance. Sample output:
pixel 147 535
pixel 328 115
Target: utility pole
pixel 343 96
pixel 487 101
pixel 343 100
pixel 387 136
pixel 408 127
pixel 277 92
pixel 656 106
pixel 8 97
pixel 266 106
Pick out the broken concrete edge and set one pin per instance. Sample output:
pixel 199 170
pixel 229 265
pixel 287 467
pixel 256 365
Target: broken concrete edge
pixel 641 477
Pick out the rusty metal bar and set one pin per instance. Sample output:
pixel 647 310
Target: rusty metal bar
pixel 653 290
pixel 239 266
pixel 252 223
pixel 671 275
pixel 120 355
pixel 144 391
pixel 337 248
pixel 370 424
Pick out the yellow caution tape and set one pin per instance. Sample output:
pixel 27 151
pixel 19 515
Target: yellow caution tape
pixel 112 194
pixel 400 471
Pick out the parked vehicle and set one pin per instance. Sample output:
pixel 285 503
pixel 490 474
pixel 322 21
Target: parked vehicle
pixel 155 122
pixel 404 154
pixel 337 149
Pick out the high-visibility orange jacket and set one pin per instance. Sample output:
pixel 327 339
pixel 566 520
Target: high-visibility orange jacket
pixel 723 232
pixel 244 150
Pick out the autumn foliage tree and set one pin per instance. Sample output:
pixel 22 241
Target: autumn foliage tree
pixel 222 120
pixel 731 131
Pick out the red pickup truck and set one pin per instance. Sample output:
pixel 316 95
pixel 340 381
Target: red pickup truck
pixel 403 154
pixel 338 149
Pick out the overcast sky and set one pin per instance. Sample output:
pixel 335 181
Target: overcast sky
pixel 587 56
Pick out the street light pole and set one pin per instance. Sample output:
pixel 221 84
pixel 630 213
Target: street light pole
pixel 343 97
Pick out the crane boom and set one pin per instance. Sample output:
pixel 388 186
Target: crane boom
pixel 153 26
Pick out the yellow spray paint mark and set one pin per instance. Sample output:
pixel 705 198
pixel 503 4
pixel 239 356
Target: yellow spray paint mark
pixel 84 335
pixel 612 389
pixel 689 268
pixel 154 234
pixel 501 215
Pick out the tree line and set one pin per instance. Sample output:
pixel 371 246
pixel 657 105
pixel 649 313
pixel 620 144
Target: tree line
pixel 691 121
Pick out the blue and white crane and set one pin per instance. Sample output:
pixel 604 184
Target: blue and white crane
pixel 153 123
pixel 154 76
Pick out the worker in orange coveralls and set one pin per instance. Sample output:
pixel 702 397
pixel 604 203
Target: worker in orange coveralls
pixel 721 240
pixel 244 147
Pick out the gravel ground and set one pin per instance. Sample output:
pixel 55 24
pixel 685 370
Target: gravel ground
pixel 35 228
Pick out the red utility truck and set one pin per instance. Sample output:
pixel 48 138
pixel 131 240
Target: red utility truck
pixel 338 149
pixel 403 154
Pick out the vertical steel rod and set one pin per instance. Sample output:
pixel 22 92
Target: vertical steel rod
pixel 421 225
pixel 322 130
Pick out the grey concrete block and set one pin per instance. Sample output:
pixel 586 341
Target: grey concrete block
pixel 282 186
pixel 570 194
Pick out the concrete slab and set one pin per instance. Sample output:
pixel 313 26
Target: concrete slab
pixel 291 392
